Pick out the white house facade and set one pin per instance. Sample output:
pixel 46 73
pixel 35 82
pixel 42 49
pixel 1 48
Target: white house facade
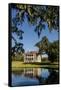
pixel 32 57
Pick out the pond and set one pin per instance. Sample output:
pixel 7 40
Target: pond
pixel 35 76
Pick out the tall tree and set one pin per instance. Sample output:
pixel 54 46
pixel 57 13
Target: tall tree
pixel 16 32
pixel 50 48
pixel 43 45
pixel 53 52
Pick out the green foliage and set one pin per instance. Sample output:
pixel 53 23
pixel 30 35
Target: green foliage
pixel 54 51
pixel 51 48
pixel 45 60
pixel 15 31
pixel 43 45
pixel 18 57
pixel 38 15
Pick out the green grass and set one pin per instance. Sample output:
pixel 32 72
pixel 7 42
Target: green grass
pixel 16 65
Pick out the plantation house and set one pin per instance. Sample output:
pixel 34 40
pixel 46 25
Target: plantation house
pixel 33 56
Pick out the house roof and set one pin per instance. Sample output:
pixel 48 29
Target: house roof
pixel 31 52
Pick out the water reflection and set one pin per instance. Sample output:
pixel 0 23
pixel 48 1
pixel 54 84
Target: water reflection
pixel 34 76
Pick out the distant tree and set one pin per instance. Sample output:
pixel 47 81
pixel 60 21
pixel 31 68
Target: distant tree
pixel 53 52
pixel 43 45
pixel 50 48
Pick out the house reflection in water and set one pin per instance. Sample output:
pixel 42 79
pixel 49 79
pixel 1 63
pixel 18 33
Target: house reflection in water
pixel 32 72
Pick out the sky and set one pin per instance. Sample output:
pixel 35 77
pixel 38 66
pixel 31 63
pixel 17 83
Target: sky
pixel 30 38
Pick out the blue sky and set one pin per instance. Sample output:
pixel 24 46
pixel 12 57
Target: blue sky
pixel 30 38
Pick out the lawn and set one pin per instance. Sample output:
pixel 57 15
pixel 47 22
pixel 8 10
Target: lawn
pixel 16 65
